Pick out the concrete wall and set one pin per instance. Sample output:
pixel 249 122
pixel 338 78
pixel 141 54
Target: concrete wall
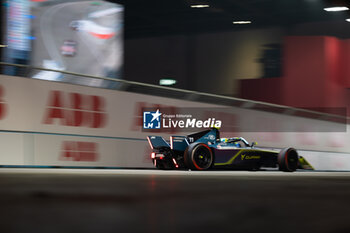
pixel 55 124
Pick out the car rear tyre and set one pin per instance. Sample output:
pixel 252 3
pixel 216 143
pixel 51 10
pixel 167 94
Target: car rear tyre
pixel 198 156
pixel 288 160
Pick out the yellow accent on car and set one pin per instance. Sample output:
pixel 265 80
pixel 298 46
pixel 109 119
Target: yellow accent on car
pixel 239 153
pixel 305 164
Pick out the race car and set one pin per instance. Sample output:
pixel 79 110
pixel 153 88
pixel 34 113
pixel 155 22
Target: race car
pixel 206 150
pixel 69 48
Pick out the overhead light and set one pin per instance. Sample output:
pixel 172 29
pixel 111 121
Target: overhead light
pixel 3 45
pixel 167 81
pixel 348 20
pixel 199 6
pixel 337 8
pixel 242 22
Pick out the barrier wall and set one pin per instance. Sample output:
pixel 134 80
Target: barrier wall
pixel 56 124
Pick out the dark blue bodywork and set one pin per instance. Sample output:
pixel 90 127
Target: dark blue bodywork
pixel 233 152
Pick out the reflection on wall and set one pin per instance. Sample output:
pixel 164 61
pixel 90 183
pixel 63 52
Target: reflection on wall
pixel 78 36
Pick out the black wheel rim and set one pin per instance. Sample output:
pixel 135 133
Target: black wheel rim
pixel 202 157
pixel 292 160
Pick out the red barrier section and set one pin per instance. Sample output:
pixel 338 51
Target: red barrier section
pixel 267 90
pixel 304 70
pixel 335 66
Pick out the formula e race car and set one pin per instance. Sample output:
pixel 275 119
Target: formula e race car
pixel 206 150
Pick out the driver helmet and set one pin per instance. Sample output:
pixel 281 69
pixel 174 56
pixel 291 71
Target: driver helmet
pixel 224 139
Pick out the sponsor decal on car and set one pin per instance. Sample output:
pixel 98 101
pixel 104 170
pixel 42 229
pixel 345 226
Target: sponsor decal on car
pixel 246 157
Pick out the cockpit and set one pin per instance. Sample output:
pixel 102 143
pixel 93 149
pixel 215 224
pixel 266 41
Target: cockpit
pixel 236 142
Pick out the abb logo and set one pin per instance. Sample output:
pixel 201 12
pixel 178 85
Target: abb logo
pixel 74 109
pixel 79 151
pixel 3 105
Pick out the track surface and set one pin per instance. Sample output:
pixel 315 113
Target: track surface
pixel 84 200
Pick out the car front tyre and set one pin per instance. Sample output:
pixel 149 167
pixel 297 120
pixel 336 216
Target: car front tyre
pixel 288 160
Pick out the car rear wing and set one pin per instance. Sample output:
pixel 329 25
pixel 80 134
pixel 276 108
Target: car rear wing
pixel 179 143
pixel 157 142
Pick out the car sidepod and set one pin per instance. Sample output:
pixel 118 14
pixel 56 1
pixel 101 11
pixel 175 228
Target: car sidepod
pixel 245 158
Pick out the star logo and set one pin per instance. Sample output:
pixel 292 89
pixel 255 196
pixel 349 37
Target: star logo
pixel 156 115
pixel 151 120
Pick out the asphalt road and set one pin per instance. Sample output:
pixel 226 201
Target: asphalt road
pixel 85 200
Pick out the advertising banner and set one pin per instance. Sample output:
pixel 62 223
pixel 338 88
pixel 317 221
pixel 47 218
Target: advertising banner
pixel 47 123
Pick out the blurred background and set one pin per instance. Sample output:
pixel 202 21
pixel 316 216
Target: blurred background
pixel 256 49
pixel 251 63
pixel 293 53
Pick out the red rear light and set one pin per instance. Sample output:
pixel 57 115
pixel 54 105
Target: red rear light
pixel 153 155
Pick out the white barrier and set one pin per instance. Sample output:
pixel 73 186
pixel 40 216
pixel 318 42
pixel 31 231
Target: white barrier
pixel 54 124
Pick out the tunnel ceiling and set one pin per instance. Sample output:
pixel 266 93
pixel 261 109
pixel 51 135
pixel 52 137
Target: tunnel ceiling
pixel 164 17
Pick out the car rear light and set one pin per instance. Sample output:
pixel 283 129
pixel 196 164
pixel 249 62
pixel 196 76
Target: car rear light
pixel 153 155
